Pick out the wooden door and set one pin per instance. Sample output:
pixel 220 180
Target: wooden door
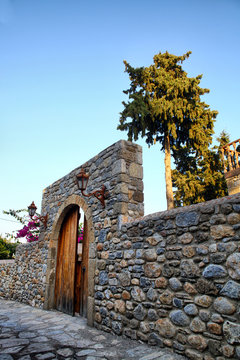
pixel 81 285
pixel 66 263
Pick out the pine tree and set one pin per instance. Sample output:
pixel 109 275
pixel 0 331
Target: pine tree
pixel 199 177
pixel 165 106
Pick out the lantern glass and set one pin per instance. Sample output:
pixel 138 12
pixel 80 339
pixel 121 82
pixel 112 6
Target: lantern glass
pixel 32 209
pixel 82 178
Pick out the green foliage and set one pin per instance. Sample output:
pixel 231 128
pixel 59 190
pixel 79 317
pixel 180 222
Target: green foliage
pixel 165 106
pixel 163 100
pixel 197 177
pixel 7 249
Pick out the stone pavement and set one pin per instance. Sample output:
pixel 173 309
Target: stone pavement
pixel 28 333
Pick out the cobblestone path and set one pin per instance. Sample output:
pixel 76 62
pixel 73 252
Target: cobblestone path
pixel 28 333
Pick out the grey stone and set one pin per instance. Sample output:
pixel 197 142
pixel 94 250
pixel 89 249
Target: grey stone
pixel 99 295
pixel 198 342
pixel 103 278
pixel 38 348
pixel 117 327
pixel 102 235
pixel 178 317
pixel 217 258
pixel 65 352
pixel 138 294
pixel 214 271
pixel 175 284
pixel 139 312
pixel 189 269
pixel 154 339
pixel 232 332
pixel 125 278
pixel 166 328
pixel 85 352
pixel 26 335
pixel 152 315
pixel 204 315
pixel 214 347
pixel 217 219
pixel 152 356
pixel 45 356
pixel 193 355
pixel 152 294
pixel 129 254
pixel 231 289
pixel 191 309
pixel 233 266
pixel 203 301
pixel 236 207
pixel 237 349
pixel 150 255
pixel 224 306
pixel 226 208
pixel 13 342
pixel 187 219
pixel 6 357
pixel 197 325
pixel 217 318
pixel 12 350
pixel 178 302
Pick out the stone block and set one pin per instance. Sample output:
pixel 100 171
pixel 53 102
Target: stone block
pixel 231 332
pixel 231 289
pixel 136 171
pixel 224 306
pixel 187 219
pixel 119 167
pixel 179 318
pixel 166 328
pixel 233 266
pixel 221 231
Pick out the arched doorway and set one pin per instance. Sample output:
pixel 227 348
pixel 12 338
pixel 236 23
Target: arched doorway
pixel 71 282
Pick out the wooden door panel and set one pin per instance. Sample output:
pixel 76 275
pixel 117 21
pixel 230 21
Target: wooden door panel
pixel 66 260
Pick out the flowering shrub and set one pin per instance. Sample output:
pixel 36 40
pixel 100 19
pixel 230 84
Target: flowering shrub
pixel 80 233
pixel 30 230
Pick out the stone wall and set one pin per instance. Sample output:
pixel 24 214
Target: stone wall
pixel 119 168
pixel 172 279
pixel 24 278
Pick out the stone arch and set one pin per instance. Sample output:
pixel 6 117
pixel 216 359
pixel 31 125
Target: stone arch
pixel 52 253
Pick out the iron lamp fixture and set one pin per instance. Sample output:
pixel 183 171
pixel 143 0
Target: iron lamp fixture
pixel 32 210
pixel 82 180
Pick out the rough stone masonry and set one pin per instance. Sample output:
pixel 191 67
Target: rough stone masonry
pixel 169 279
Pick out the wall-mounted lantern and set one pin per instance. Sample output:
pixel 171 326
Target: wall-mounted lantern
pixel 32 210
pixel 82 180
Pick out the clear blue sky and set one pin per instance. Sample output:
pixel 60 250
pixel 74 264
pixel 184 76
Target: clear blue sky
pixel 62 76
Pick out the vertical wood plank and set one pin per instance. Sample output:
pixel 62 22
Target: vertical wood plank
pixel 65 273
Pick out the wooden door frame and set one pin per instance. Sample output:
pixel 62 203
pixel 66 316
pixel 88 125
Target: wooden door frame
pixel 52 254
